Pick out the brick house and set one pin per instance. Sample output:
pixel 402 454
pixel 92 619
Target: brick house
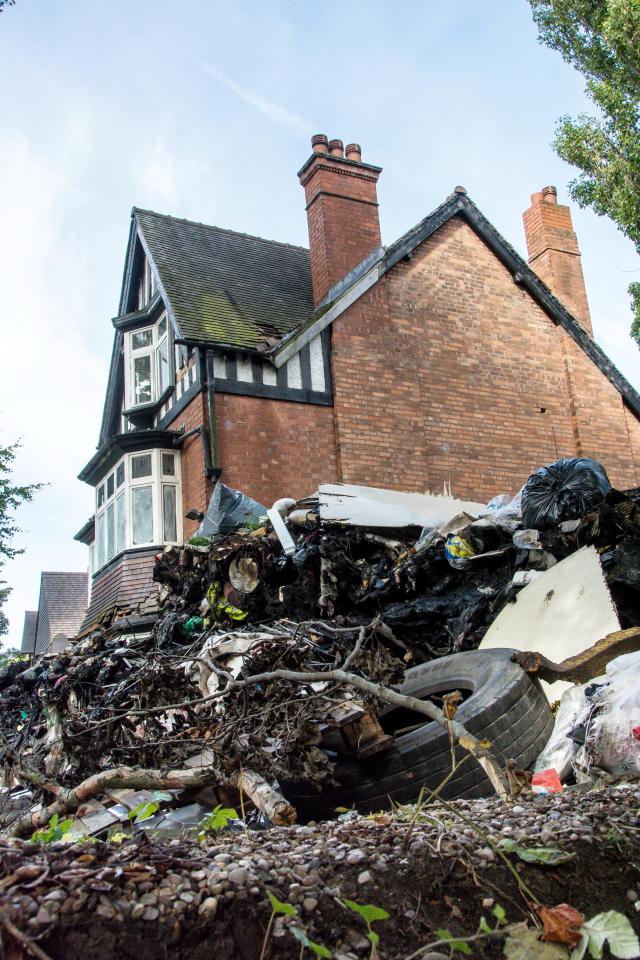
pixel 444 357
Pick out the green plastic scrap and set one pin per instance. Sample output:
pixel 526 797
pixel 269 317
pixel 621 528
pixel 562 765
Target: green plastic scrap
pixel 219 606
pixel 192 625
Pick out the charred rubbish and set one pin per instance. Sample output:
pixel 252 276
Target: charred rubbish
pixel 380 583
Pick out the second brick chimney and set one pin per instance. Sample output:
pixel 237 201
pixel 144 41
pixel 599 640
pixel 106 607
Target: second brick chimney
pixel 554 253
pixel 342 210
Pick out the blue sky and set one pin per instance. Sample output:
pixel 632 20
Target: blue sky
pixel 204 110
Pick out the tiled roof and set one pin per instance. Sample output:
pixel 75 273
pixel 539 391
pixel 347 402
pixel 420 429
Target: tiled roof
pixel 29 631
pixel 62 606
pixel 226 287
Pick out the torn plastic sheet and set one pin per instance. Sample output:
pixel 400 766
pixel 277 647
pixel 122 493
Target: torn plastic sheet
pixel 229 510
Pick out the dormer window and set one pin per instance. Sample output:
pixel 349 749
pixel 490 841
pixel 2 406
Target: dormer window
pixel 147 286
pixel 148 364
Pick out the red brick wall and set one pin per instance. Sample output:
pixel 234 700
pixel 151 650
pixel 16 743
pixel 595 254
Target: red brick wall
pixel 441 372
pixel 196 489
pixel 274 448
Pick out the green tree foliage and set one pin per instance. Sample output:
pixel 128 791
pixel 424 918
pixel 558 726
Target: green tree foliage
pixel 10 655
pixel 6 3
pixel 11 496
pixel 601 39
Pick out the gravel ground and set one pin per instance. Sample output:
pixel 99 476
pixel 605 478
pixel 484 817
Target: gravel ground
pixel 180 898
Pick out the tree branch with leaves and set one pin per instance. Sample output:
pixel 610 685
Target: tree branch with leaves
pixel 601 39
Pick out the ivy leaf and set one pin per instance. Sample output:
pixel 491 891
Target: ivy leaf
pixel 454 944
pixel 318 948
pixel 523 944
pixel 279 907
pixel 367 911
pixel 544 856
pixel 484 926
pixel 499 913
pixel 612 926
pixel 143 811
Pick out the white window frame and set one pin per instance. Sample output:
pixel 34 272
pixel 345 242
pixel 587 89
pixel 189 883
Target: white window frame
pixel 157 479
pixel 151 350
pixel 147 285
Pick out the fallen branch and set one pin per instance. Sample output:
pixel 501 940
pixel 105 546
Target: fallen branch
pixel 69 799
pixel 264 797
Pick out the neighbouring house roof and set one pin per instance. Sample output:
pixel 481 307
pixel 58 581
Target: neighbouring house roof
pixel 29 631
pixel 225 287
pixel 373 267
pixel 61 607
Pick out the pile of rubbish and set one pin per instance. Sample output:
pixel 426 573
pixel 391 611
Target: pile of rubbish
pixel 381 580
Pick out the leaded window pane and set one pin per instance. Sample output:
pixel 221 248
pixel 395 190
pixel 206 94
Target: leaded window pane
pixel 109 486
pixel 120 522
pixel 168 465
pixel 163 366
pixel 141 466
pixel 120 475
pixel 142 379
pixel 100 544
pixel 142 514
pixel 141 339
pixel 169 513
pixel 111 543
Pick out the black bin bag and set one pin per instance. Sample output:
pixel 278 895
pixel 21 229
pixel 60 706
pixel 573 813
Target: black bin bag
pixel 564 490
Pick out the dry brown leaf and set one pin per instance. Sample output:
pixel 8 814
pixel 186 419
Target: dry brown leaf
pixel 561 924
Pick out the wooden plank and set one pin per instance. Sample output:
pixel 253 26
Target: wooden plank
pixel 585 665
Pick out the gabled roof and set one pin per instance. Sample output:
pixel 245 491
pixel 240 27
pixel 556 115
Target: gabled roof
pixel 344 293
pixel 224 287
pixel 61 607
pixel 29 631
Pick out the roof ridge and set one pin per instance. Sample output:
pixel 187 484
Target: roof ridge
pixel 213 226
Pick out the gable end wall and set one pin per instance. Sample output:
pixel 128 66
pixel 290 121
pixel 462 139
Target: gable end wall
pixel 442 370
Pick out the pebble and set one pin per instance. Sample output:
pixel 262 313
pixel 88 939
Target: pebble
pixel 209 905
pixel 309 904
pixel 356 856
pixel 632 895
pixel 364 877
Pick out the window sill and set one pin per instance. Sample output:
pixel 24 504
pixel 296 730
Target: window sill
pixel 128 551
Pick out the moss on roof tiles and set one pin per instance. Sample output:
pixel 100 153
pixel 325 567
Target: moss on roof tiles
pixel 227 287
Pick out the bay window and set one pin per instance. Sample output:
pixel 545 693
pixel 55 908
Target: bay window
pixel 147 364
pixel 137 504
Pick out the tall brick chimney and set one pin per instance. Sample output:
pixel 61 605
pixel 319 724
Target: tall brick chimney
pixel 554 253
pixel 342 210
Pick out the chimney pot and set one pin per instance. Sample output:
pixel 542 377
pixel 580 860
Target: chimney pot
pixel 336 148
pixel 460 189
pixel 319 143
pixel 353 151
pixel 549 195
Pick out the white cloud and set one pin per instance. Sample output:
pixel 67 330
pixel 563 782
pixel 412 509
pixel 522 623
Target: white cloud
pixel 275 111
